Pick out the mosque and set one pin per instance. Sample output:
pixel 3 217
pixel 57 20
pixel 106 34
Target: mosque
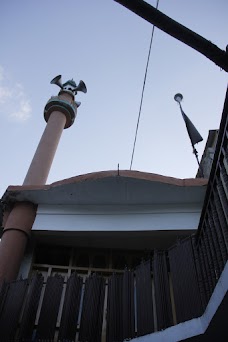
pixel 114 255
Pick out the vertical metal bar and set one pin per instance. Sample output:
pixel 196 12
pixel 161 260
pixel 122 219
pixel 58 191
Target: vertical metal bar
pixel 115 318
pixel 222 218
pixel 128 304
pixel 68 324
pixel 215 240
pixel 162 291
pixel 199 273
pixel 213 249
pixel 168 309
pixel 209 238
pixel 222 197
pixel 219 233
pixel 145 320
pixel 206 262
pixel 184 279
pixel 203 271
pixel 224 179
pixel 30 308
pixel 50 307
pixel 92 311
pixel 3 294
pixel 11 309
pixel 211 261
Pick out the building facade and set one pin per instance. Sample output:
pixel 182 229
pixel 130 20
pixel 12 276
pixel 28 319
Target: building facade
pixel 122 255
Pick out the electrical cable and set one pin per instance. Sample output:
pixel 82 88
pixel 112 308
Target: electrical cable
pixel 141 101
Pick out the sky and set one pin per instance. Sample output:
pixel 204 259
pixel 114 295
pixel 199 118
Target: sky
pixel 106 45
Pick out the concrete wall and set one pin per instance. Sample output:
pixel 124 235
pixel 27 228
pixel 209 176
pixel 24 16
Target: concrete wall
pixel 116 218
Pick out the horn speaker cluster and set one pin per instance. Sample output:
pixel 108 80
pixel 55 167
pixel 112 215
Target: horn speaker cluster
pixel 80 87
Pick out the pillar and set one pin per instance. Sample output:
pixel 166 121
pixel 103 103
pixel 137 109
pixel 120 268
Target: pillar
pixel 59 113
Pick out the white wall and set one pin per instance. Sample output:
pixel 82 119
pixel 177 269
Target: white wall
pixel 114 218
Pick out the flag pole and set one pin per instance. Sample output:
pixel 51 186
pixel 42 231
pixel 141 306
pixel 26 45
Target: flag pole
pixel 193 147
pixel 193 134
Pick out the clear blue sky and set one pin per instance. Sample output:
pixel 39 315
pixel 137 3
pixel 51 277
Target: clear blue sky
pixel 106 45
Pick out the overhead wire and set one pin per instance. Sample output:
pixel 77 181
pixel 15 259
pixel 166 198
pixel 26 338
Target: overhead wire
pixel 142 94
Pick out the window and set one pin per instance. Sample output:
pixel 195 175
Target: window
pixel 53 255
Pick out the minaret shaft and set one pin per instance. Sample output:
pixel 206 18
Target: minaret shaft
pixel 14 240
pixel 60 112
pixel 40 166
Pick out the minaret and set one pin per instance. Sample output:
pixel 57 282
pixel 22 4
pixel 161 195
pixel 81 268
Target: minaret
pixel 59 113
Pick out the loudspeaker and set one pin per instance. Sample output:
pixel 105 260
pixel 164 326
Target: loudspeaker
pixel 57 80
pixel 81 87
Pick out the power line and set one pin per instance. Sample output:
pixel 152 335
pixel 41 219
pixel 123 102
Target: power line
pixel 141 101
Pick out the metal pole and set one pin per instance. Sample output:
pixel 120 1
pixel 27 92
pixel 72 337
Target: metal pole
pixel 178 31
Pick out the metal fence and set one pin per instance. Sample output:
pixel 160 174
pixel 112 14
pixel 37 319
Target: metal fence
pixel 211 241
pixel 158 293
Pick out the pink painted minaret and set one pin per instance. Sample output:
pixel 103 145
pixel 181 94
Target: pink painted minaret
pixel 59 113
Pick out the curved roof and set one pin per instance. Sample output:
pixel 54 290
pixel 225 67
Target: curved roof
pixel 153 177
pixel 113 187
